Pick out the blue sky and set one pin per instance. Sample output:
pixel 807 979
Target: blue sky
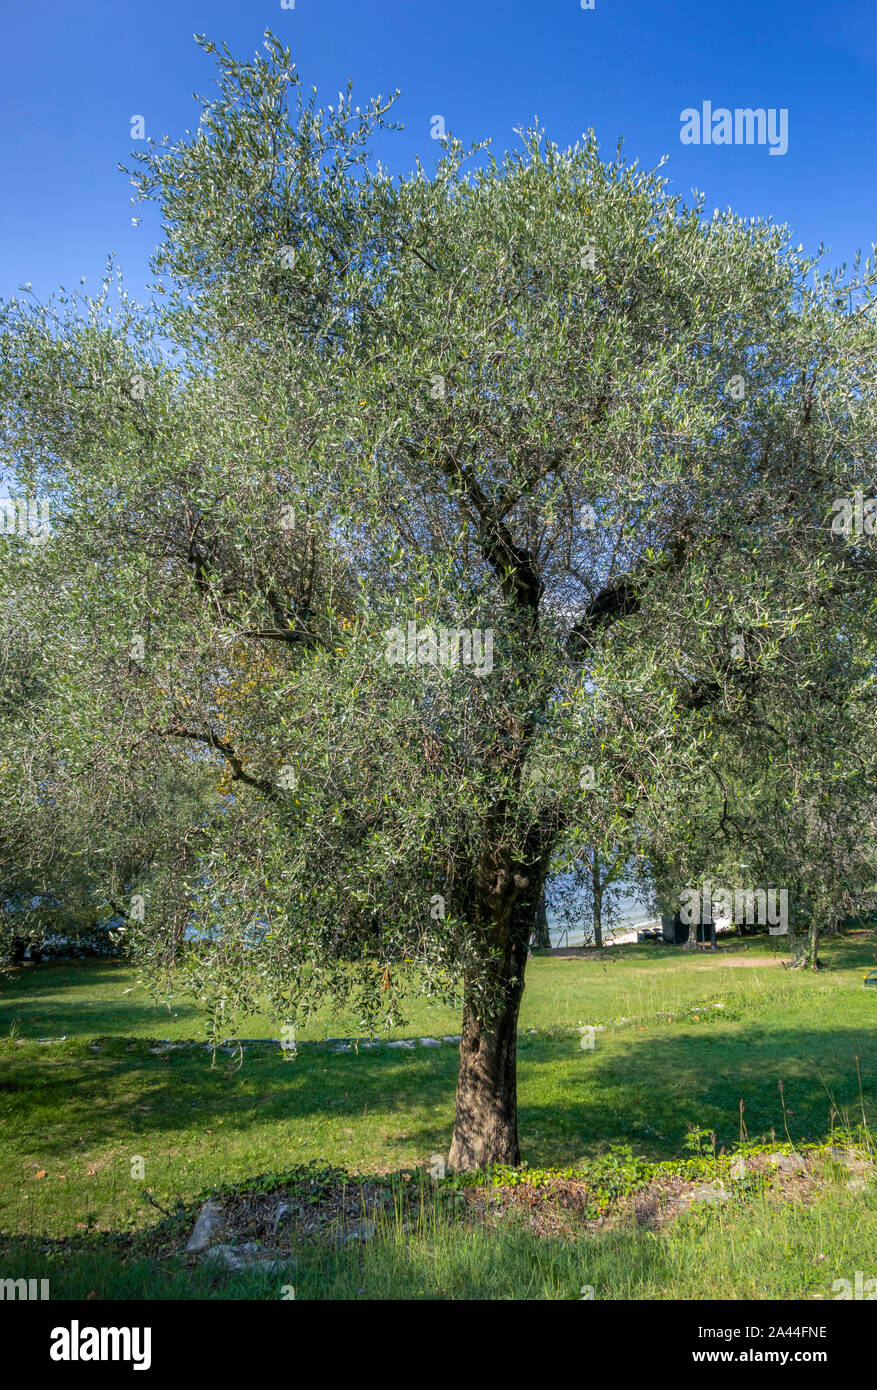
pixel 75 74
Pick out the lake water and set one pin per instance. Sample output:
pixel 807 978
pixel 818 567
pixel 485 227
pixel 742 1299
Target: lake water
pixel 631 908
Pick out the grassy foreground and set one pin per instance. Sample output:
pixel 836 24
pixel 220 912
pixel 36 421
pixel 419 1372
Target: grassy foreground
pixel 681 1041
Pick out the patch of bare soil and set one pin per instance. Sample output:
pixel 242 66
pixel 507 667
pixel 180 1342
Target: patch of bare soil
pixel 581 953
pixel 333 1212
pixel 719 962
pixel 737 963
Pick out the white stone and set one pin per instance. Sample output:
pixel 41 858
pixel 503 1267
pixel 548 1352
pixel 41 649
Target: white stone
pixel 210 1220
pixel 787 1163
pixel 710 1192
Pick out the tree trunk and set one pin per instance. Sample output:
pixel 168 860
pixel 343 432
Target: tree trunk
pixel 814 944
pixel 176 940
pixel 541 935
pixel 505 897
pixel 692 936
pixel 598 904
pixel 486 1119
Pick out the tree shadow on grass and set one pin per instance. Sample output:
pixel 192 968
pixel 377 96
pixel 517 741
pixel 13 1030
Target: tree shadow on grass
pixel 125 1097
pixel 572 1102
pixel 37 1001
pixel 651 1096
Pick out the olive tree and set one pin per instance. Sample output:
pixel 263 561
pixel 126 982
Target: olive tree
pixel 424 514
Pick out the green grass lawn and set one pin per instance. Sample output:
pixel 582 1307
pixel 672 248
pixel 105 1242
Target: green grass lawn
pixel 75 1114
pixel 51 1000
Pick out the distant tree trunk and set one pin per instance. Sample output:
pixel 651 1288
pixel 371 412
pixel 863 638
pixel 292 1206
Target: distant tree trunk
pixel 692 937
pixel 541 934
pixel 813 951
pixel 175 942
pixel 597 889
pixel 805 944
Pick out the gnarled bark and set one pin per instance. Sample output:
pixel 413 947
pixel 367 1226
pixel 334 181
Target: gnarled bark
pixel 486 1119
